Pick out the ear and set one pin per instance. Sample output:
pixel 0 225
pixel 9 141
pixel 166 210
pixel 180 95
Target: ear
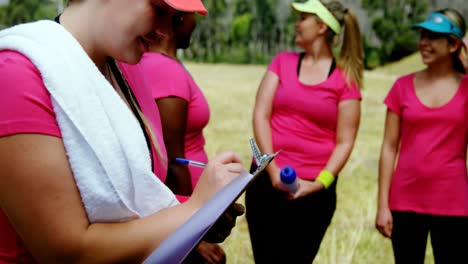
pixel 453 47
pixel 323 28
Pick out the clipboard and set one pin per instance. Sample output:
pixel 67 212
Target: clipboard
pixel 175 248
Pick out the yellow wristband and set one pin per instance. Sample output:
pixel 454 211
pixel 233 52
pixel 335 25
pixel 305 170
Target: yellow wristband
pixel 326 178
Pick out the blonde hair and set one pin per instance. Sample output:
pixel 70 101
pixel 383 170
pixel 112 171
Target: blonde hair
pixel 148 127
pixel 351 57
pixel 454 16
pixel 139 114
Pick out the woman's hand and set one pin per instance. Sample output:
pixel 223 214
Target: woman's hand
pixel 275 178
pixel 221 229
pixel 219 171
pixel 212 253
pixel 384 222
pixel 305 187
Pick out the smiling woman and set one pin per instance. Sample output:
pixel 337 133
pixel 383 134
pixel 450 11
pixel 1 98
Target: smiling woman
pixel 75 151
pixel 423 154
pixel 182 112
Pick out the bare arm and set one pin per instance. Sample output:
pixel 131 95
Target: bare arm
pixel 40 198
pixel 388 154
pixel 261 122
pixel 174 112
pixel 349 112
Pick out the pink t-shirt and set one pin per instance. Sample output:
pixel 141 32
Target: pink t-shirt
pixel 133 75
pixel 304 117
pixel 431 173
pixel 26 107
pixel 166 77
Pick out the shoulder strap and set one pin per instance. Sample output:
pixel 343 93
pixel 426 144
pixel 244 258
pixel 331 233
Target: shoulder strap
pixel 301 56
pixel 299 63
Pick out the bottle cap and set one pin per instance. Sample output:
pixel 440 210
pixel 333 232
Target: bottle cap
pixel 288 174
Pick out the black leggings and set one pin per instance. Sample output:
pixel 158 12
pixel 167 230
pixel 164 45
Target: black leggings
pixel 449 238
pixel 284 231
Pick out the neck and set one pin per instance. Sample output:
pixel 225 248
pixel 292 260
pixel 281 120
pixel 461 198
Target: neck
pixel 440 69
pixel 78 20
pixel 166 47
pixel 317 51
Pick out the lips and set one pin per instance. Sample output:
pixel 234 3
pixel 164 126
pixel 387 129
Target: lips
pixel 425 53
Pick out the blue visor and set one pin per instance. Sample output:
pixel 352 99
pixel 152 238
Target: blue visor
pixel 436 22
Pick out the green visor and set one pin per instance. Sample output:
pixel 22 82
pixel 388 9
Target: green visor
pixel 316 7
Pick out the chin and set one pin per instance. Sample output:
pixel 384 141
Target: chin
pixel 427 61
pixel 299 41
pixel 131 57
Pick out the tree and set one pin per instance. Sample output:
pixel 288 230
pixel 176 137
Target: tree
pixel 210 38
pixel 22 11
pixel 391 22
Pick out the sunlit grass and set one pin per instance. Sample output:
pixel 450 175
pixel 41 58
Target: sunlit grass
pixel 351 238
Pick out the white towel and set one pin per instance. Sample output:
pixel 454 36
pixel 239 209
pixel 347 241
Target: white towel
pixel 105 145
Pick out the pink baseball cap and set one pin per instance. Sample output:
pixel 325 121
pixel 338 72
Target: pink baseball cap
pixel 188 6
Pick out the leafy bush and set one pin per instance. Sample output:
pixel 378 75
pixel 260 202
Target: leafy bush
pixel 22 11
pixel 392 21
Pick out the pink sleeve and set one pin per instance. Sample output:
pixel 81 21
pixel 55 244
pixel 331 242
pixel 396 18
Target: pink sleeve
pixel 168 79
pixel 393 98
pixel 25 105
pixel 350 92
pixel 275 64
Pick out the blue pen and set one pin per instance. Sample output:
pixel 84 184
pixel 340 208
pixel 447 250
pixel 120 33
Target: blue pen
pixel 190 162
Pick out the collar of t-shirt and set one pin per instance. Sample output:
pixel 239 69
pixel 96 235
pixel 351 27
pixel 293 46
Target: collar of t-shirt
pixel 301 56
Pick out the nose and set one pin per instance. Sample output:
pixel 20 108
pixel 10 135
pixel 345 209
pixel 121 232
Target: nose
pixel 423 40
pixel 297 24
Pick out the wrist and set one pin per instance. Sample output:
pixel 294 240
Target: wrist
pixel 315 186
pixel 326 178
pixel 383 206
pixel 273 171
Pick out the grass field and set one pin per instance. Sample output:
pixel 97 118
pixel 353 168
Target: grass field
pixel 351 238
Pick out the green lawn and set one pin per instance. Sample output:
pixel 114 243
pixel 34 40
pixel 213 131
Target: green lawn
pixel 351 238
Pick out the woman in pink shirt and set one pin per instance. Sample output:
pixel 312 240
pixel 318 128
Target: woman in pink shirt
pixel 307 107
pixel 43 217
pixel 423 182
pixel 182 109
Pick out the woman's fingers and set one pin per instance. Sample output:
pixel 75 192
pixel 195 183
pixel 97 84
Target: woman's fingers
pixel 223 226
pixel 212 253
pixel 227 157
pixel 219 171
pixel 384 224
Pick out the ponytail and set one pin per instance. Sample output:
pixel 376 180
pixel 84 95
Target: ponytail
pixel 351 57
pixel 457 18
pixel 134 106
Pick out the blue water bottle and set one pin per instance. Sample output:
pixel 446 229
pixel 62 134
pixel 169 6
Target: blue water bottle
pixel 288 177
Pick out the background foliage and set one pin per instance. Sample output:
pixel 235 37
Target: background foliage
pixel 21 11
pixel 252 31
